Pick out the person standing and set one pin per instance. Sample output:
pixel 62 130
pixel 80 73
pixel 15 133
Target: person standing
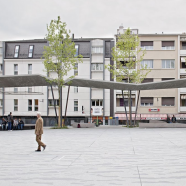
pixel 173 119
pixel 39 132
pixel 10 119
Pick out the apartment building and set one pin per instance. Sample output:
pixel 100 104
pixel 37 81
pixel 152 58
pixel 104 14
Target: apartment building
pixel 1 73
pixel 165 56
pixel 85 104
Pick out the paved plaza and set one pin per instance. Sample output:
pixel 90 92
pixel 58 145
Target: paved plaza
pixel 100 156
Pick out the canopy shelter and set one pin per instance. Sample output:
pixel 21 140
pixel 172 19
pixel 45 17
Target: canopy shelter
pixel 25 81
pixel 179 83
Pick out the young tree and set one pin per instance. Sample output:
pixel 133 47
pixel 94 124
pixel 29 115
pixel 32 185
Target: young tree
pixel 60 56
pixel 128 56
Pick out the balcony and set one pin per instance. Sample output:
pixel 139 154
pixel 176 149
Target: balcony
pixel 183 90
pixel 121 109
pixel 125 92
pixel 183 71
pixel 183 109
pixel 183 51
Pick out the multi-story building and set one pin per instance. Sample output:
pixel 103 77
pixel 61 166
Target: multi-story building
pixel 165 56
pixel 1 73
pixel 25 57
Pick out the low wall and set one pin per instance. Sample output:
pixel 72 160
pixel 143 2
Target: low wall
pixel 162 125
pixel 83 125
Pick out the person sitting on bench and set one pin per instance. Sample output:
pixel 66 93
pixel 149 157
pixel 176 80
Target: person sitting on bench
pixel 4 122
pixel 15 124
pixel 20 124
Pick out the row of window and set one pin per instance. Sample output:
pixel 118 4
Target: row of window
pixel 166 64
pixel 31 49
pixel 30 104
pixel 149 101
pixel 165 45
pixel 16 69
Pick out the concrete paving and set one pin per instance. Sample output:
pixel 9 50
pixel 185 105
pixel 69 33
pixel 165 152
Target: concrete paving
pixel 100 156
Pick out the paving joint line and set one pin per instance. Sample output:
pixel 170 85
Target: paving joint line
pixel 139 176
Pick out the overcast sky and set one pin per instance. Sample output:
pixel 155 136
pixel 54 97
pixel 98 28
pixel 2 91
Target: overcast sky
pixel 27 19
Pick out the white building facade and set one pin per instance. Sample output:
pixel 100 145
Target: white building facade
pixel 85 104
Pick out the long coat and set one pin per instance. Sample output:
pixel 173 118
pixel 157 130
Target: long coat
pixel 39 126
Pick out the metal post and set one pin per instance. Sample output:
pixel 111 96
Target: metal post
pixel 125 108
pixel 66 103
pixel 136 107
pixel 130 109
pixel 54 103
pixel 61 106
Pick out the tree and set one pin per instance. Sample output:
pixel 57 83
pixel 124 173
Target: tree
pixel 128 56
pixel 60 55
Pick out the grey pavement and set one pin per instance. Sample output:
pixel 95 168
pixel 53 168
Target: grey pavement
pixel 103 156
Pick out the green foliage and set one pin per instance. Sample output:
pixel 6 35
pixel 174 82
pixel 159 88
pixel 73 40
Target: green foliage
pixel 56 127
pixel 124 54
pixel 59 55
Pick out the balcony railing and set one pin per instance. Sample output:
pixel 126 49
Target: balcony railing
pixel 168 48
pixel 147 47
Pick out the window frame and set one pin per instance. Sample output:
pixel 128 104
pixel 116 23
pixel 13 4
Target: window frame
pixel 30 105
pixel 30 52
pixel 15 105
pixel 146 104
pixel 146 60
pixel 167 105
pixel 95 101
pixel 148 47
pixel 15 70
pixel 77 50
pixel 99 65
pixel 167 47
pixel 29 70
pixel 76 105
pixel 75 89
pixel 166 60
pixel 16 52
pixel 36 106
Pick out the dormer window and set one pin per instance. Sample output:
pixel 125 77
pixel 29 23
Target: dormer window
pixel 16 51
pixel 30 52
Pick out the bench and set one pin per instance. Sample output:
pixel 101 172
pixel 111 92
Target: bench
pixel 26 126
pixel 83 125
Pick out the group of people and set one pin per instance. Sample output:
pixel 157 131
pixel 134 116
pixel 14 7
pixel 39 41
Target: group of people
pixel 12 124
pixel 169 120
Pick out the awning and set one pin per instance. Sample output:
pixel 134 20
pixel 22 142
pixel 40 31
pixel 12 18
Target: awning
pixel 153 116
pixel 123 116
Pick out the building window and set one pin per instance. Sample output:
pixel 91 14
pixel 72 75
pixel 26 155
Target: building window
pixel 97 66
pixel 76 69
pixel 15 90
pixel 148 45
pixel 16 51
pixel 168 63
pixel 147 64
pixel 75 105
pixel 147 80
pixel 168 101
pixel 30 52
pixel 167 45
pixel 51 102
pixel 183 46
pixel 126 102
pixel 15 69
pixel 98 50
pixel 15 104
pixel 97 102
pixel 29 105
pixel 77 50
pixel 75 89
pixel 1 102
pixel 29 68
pixel 29 89
pixel 36 105
pixel 146 101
